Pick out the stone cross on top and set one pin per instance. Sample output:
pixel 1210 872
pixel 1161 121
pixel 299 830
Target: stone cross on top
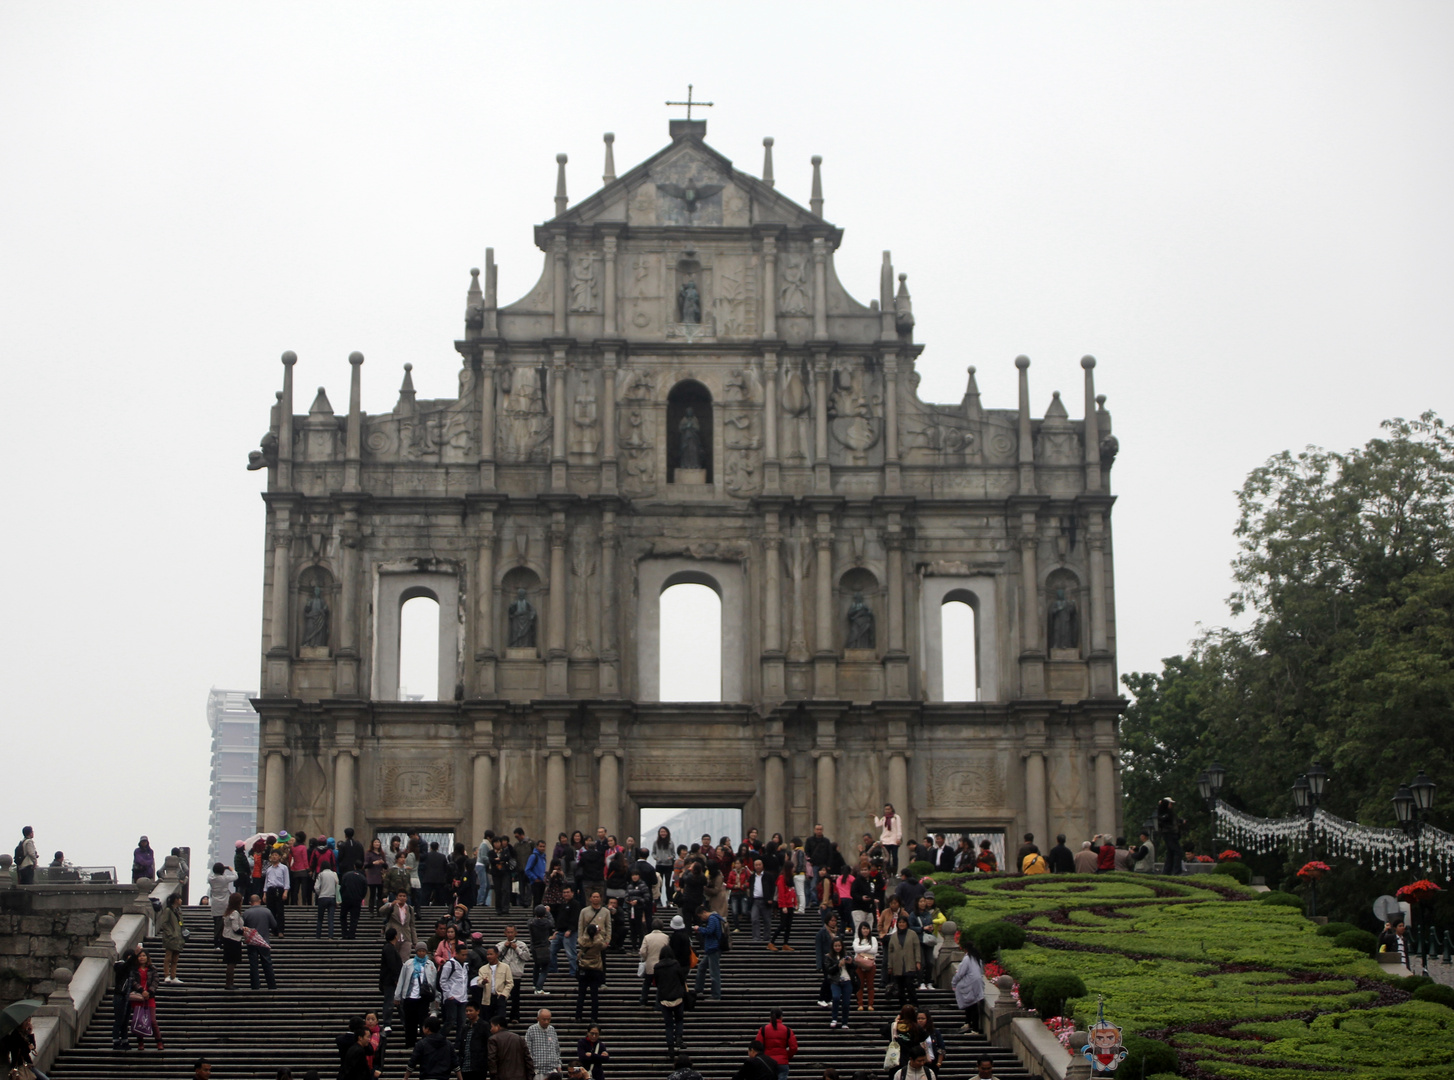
pixel 690 104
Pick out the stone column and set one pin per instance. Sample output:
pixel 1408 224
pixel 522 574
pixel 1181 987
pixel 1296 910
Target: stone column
pixel 278 624
pixel 772 625
pixel 353 440
pixel 285 424
pixel 608 423
pixel 346 666
pixel 769 286
pixel 1026 454
pixel 610 659
pixel 891 408
pixel 896 660
pixel 774 817
pixel 482 794
pixel 1032 650
pixel 558 283
pixel 899 782
pixel 273 795
pixel 609 288
pixel 485 654
pixel 821 475
pixel 1092 428
pixel 1106 792
pixel 770 408
pixel 820 289
pixel 1102 668
pixel 555 794
pixel 610 790
pixel 487 420
pixel 343 787
pixel 557 407
pixel 827 790
pixel 555 675
pixel 1036 820
pixel 824 638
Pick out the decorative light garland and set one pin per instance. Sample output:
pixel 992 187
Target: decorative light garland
pixel 1379 848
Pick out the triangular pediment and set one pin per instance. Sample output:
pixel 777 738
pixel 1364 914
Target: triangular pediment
pixel 687 184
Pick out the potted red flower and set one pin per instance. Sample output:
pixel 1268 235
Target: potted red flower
pixel 1230 856
pixel 1313 871
pixel 1419 891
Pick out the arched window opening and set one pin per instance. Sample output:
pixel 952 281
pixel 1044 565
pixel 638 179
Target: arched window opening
pixel 689 434
pixel 961 650
pixel 419 649
pixel 691 643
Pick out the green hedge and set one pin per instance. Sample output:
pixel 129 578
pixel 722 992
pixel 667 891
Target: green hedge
pixel 1358 940
pixel 1235 869
pixel 989 938
pixel 1048 991
pixel 1145 1057
pixel 1282 899
pixel 920 868
pixel 1333 929
pixel 1439 995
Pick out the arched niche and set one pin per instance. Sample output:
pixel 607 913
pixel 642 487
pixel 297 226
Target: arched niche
pixel 979 593
pixel 515 579
pixel 689 394
pixel 1064 614
pixel 727 580
pixel 310 578
pixel 391 591
pixel 855 582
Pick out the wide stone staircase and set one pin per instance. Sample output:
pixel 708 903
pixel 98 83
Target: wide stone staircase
pixel 250 1035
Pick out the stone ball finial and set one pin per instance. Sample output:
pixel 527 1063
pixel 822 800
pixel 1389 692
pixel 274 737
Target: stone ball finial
pixel 320 390
pixel 6 861
pixel 290 358
pixel 1022 362
pixel 1055 395
pixel 903 277
pixel 61 976
pixel 278 394
pixel 474 271
pixel 1004 983
pixel 817 159
pixel 1101 400
pixel 1087 362
pixel 355 358
pixel 560 159
pixel 610 136
pixel 408 367
pixel 767 140
pixel 106 922
pixel 972 369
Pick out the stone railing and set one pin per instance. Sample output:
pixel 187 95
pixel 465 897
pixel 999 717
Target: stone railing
pixel 1020 1030
pixel 73 994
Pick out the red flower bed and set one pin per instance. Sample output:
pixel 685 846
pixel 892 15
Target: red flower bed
pixel 1313 870
pixel 1229 856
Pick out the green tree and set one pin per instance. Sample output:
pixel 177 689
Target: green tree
pixel 1345 576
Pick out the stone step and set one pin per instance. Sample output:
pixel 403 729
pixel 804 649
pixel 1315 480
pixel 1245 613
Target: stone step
pixel 322 983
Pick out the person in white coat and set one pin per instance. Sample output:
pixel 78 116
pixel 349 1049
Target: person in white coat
pixel 968 984
pixel 891 835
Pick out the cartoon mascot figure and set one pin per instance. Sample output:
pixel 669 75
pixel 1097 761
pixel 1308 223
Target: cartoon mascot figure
pixel 1103 1049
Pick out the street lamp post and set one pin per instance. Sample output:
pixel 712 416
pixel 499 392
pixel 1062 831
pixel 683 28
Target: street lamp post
pixel 1209 787
pixel 1307 792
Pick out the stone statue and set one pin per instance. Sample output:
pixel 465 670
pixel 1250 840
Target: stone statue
pixel 315 620
pixel 860 624
pixel 689 303
pixel 690 453
pixel 1064 623
pixel 522 622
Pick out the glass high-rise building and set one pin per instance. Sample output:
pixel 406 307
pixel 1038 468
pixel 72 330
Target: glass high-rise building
pixel 232 810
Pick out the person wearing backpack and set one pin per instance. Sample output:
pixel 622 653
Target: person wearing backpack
pixel 1034 863
pixel 713 931
pixel 779 1043
pixel 26 856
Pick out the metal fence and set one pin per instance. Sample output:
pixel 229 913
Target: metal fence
pixel 75 875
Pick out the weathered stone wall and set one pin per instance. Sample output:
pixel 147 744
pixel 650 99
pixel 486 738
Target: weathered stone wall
pixel 43 928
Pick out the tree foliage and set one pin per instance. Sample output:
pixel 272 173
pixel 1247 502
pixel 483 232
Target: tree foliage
pixel 1345 655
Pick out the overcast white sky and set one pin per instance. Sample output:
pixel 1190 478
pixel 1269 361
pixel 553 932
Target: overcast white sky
pixel 1242 209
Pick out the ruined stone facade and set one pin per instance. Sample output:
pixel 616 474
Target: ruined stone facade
pixel 809 474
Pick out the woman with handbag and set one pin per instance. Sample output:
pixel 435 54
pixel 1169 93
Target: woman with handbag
pixel 865 960
pixel 232 933
pixel 843 978
pixel 415 990
pixel 141 997
pixel 169 929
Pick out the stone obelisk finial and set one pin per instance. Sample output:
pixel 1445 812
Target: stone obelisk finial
pixel 815 204
pixel 610 174
pixel 560 199
pixel 767 162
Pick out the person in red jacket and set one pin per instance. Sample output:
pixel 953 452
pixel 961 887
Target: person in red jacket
pixel 779 1044
pixel 1106 855
pixel 787 904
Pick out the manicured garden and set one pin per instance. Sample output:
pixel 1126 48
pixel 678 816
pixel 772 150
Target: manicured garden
pixel 1239 984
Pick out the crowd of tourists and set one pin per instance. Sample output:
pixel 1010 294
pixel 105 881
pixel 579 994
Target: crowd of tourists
pixel 457 997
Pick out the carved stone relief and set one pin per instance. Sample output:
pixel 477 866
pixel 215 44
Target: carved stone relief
pixel 585 437
pixel 966 781
pixel 740 433
pixel 583 289
pixel 524 428
pixel 797 426
pixel 794 295
pixel 416 784
pixel 677 770
pixel 636 437
pixel 643 293
pixel 853 416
